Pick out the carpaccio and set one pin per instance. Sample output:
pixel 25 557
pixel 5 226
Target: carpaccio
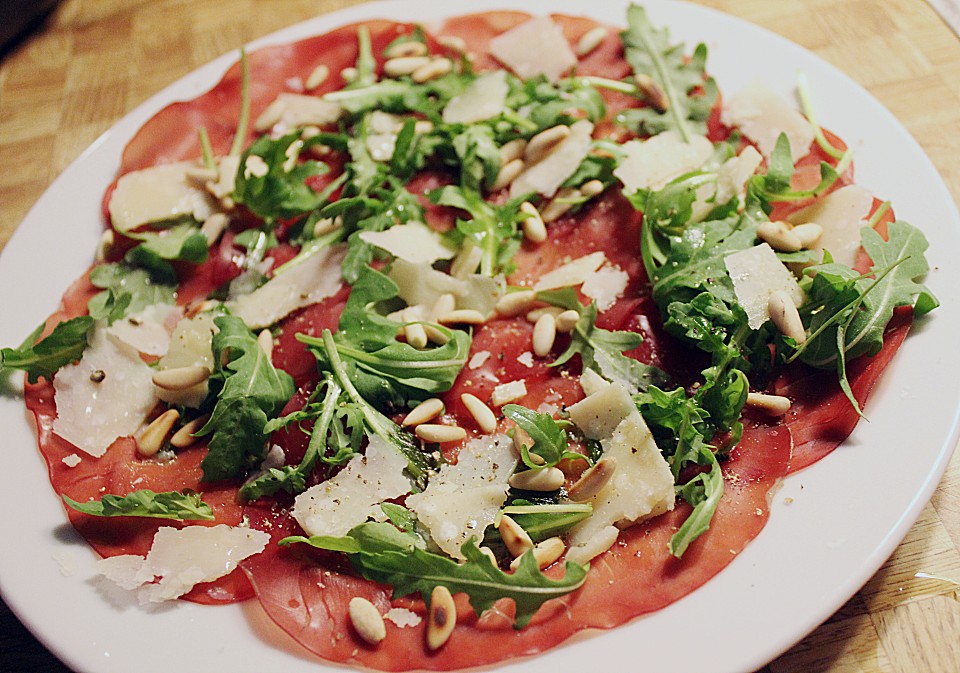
pixel 306 592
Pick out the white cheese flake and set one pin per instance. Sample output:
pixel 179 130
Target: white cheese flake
pixel 842 214
pixel 762 115
pixel 535 47
pixel 72 460
pixel 313 279
pixel 422 285
pixel 478 359
pixel 291 110
pixel 651 164
pixel 414 242
pixel 190 346
pixel 484 97
pixel 158 194
pixel 354 494
pixel 605 285
pixel 464 498
pixel 148 331
pixel 546 176
pixel 183 558
pixel 756 274
pixel 92 415
pixel 571 273
pixel 403 617
pixel 526 359
pixel 505 393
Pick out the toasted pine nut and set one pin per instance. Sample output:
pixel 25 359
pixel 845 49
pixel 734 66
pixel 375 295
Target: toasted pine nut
pixel 440 434
pixel 540 145
pixel 326 225
pixel 183 437
pixel 404 49
pixel 545 553
pixel 462 316
pixel 180 378
pixel 452 42
pixel 786 317
pixel 366 620
pixel 445 303
pixel 533 226
pixel 317 76
pixel 560 204
pixel 442 617
pixel 416 335
pixel 775 405
pixel 486 551
pixel 423 412
pixel 106 242
pixel 593 479
pixel 437 67
pixel 591 40
pixel 567 320
pixel 156 433
pixel 213 227
pixel 265 340
pixel 537 313
pixel 435 334
pixel 404 65
pixel 481 413
pixel 540 479
pixel 508 173
pixel 779 236
pixel 514 537
pixel 808 233
pixel 422 126
pixel 652 92
pixel 513 303
pixel 520 439
pixel 591 188
pixel 544 334
pixel 349 74
pixel 512 150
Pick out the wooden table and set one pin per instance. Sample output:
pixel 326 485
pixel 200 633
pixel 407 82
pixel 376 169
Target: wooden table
pixel 94 60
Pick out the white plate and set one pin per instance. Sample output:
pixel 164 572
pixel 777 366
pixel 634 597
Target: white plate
pixel 848 512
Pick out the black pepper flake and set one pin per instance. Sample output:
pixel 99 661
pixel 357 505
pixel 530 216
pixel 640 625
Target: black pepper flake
pixel 98 376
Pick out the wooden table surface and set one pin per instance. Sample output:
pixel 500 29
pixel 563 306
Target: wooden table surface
pixel 92 61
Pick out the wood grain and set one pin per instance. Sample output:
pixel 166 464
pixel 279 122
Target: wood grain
pixel 94 60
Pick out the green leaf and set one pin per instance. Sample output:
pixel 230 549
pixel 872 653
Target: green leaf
pixel 126 290
pixel 703 492
pixel 182 506
pixel 542 521
pixel 491 228
pixel 549 438
pixel 182 242
pixel 65 344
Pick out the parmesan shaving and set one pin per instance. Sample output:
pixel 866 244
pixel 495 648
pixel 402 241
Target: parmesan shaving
pixel 651 164
pixel 535 47
pixel 763 115
pixel 546 176
pixel 756 274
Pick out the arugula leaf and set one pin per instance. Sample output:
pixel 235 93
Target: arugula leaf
pixel 126 290
pixel 65 344
pixel 774 186
pixel 387 556
pixel 703 492
pixel 602 351
pixel 252 391
pixel 180 242
pixel 542 521
pixel 182 506
pixel 549 438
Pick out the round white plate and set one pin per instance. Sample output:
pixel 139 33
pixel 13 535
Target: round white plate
pixel 848 512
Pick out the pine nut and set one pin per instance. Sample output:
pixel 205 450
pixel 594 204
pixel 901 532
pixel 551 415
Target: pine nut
pixel 514 537
pixel 593 479
pixel 512 150
pixel 596 545
pixel 423 412
pixel 537 313
pixel 106 243
pixel 405 65
pixel 808 234
pixel 156 433
pixel 466 260
pixel 591 40
pixel 416 335
pixel 544 334
pixel 255 166
pixel 520 439
pixel 779 236
pixel 462 316
pixel 540 145
pixel 422 126
pixel 435 334
pixel 786 317
pixel 565 199
pixel 541 479
pixel 591 188
pixel 508 173
pixel 533 227
pixel 440 434
pixel 180 378
pixel 438 67
pixel 326 225
pixel 452 42
pixel 486 551
pixel 317 76
pixel 775 405
pixel 265 341
pixel 213 227
pixel 366 620
pixel 481 413
pixel 183 437
pixel 567 320
pixel 405 49
pixel 514 303
pixel 444 304
pixel 349 74
pixel 545 553
pixel 652 92
pixel 442 617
